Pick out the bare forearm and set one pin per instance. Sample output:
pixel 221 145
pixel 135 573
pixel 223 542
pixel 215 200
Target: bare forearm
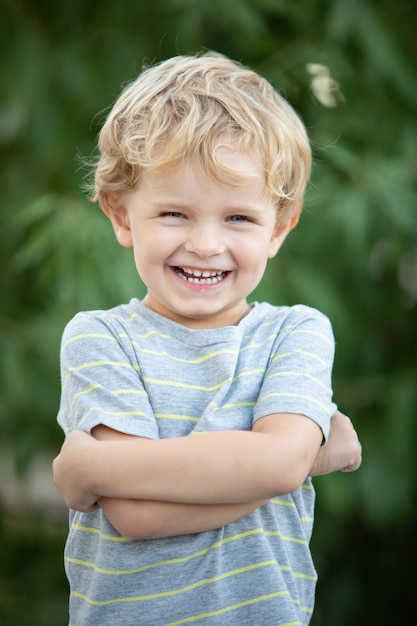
pixel 84 472
pixel 142 519
pixel 221 467
pixel 227 467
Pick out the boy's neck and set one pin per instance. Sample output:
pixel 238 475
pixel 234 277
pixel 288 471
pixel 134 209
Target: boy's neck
pixel 197 323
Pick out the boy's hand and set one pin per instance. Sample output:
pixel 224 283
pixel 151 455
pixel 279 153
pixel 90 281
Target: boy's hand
pixel 342 451
pixel 68 474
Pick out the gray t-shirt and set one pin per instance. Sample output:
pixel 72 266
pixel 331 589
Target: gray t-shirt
pixel 142 374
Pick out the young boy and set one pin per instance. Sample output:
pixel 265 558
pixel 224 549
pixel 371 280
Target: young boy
pixel 207 413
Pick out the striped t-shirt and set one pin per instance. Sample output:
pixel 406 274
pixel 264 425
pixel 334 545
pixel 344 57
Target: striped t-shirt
pixel 142 374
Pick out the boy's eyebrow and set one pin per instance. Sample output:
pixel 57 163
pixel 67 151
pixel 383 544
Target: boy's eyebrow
pixel 239 207
pixel 164 204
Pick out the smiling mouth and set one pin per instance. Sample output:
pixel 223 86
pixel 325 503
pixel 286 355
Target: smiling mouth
pixel 200 277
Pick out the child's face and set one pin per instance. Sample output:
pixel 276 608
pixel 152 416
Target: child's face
pixel 200 246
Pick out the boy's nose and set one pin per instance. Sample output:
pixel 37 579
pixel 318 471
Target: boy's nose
pixel 205 241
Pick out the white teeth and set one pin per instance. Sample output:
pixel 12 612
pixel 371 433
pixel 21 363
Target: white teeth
pixel 199 277
pixel 203 281
pixel 198 273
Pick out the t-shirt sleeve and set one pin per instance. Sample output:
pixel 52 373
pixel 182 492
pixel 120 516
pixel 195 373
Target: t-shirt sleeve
pixel 298 377
pixel 101 380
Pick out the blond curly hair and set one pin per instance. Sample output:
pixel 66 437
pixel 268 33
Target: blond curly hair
pixel 183 109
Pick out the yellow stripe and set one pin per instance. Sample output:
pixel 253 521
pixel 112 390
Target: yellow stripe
pixel 307 486
pixel 101 570
pixel 97 364
pixel 294 395
pixel 277 533
pixel 119 317
pixel 96 531
pixel 89 335
pixel 139 392
pixel 174 561
pixel 174 592
pixel 312 332
pixel 127 572
pixel 131 319
pixel 314 314
pixel 291 505
pixel 259 370
pixel 311 355
pixel 128 319
pixel 304 576
pixel 177 560
pixel 121 413
pixel 201 359
pixel 173 416
pixel 283 503
pixel 145 335
pixel 273 321
pixel 233 607
pixel 300 374
pixel 231 405
pixel 132 342
pixel 173 383
pixel 95 408
pixel 81 393
pixel 278 357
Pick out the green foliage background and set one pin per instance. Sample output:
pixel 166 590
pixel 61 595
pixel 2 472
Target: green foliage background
pixel 354 254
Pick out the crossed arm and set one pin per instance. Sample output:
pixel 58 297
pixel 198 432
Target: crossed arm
pixel 184 485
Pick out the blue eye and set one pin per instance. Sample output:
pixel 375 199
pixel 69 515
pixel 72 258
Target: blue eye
pixel 238 218
pixel 172 214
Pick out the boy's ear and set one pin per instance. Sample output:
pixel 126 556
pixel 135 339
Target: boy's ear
pixel 280 233
pixel 119 218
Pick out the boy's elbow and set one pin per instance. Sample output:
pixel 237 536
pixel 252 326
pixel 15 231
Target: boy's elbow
pixel 289 479
pixel 289 447
pixel 289 484
pixel 124 517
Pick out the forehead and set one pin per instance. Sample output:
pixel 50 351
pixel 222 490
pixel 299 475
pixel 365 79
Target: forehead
pixel 229 155
pixel 226 165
